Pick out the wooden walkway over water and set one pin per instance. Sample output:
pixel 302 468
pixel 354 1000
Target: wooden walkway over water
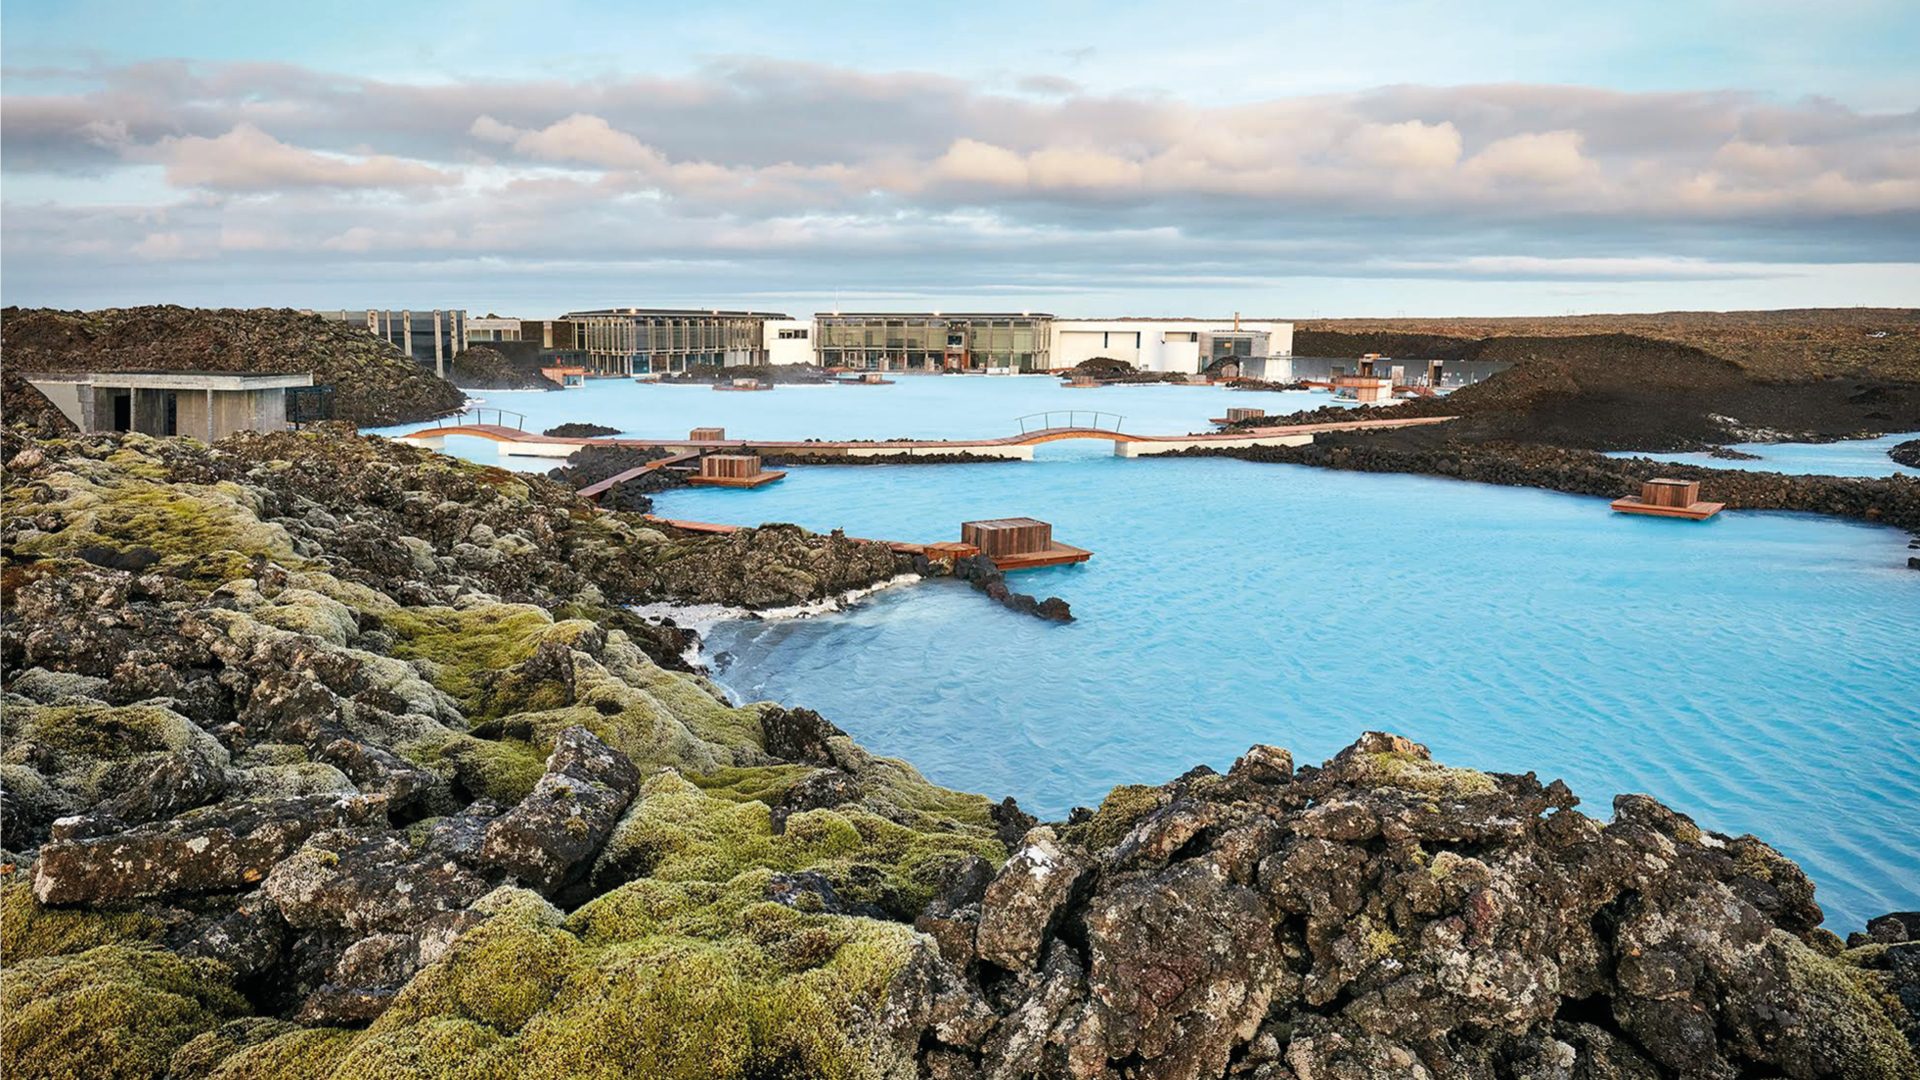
pixel 514 441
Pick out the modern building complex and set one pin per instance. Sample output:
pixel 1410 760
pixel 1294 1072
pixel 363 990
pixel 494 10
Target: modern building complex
pixel 640 341
pixel 203 404
pixel 546 335
pixel 1006 342
pixel 900 341
pixel 635 341
pixel 430 337
pixel 1188 346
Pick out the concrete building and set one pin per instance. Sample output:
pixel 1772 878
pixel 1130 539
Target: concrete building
pixel 203 404
pixel 491 328
pixel 431 337
pixel 788 341
pixel 1189 346
pixel 994 342
pixel 637 341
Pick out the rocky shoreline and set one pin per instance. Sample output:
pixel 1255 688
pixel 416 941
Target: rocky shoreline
pixel 329 757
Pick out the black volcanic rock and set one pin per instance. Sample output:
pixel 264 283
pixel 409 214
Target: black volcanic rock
pixel 374 383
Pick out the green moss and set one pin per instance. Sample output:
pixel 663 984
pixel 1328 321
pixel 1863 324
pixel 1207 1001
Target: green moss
pixel 1424 777
pixel 113 1011
pixel 765 783
pixel 304 611
pixel 462 644
pixel 502 973
pixel 1850 1014
pixel 434 1050
pixel 204 533
pixel 1379 942
pixel 204 1052
pixel 677 832
pixel 79 745
pixel 300 1054
pixel 29 931
pixel 504 770
pixel 1119 812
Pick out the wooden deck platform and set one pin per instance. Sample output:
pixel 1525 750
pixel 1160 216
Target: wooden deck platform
pixel 1698 511
pixel 1056 554
pixel 758 479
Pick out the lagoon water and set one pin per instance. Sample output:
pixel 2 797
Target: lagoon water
pixel 1755 671
pixel 1848 457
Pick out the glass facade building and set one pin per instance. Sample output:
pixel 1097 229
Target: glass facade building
pixel 431 337
pixel 895 341
pixel 638 341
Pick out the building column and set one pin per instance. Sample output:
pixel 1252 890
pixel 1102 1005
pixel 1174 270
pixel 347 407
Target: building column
pixel 209 415
pixel 406 332
pixel 439 361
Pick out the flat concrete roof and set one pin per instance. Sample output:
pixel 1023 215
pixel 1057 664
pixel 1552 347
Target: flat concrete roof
pixel 182 380
pixel 935 315
pixel 675 313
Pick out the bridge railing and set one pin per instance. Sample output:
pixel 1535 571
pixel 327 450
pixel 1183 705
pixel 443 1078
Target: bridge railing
pixel 1070 418
pixel 479 415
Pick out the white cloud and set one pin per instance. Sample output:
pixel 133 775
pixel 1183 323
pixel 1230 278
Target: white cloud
pixel 1410 144
pixel 248 159
pixel 1551 157
pixel 970 161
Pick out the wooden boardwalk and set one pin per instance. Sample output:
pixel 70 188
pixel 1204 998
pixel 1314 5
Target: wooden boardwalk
pixel 516 441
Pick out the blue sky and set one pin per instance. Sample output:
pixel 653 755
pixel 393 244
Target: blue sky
pixel 1293 159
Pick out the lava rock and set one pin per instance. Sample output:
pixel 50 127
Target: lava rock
pixel 555 832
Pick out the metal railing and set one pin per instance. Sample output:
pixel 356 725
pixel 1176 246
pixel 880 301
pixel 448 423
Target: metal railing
pixel 1070 418
pixel 477 416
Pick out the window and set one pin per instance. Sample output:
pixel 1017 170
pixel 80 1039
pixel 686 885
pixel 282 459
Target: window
pixel 793 335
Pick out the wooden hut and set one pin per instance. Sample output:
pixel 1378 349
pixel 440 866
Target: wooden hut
pixel 1664 497
pixel 1019 543
pixel 732 470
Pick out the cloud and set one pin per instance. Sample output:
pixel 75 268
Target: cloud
pixel 970 161
pixel 248 159
pixel 578 139
pixel 863 175
pixel 1409 144
pixel 1551 157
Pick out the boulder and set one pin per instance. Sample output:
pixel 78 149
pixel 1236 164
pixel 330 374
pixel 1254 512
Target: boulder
pixel 553 834
pixel 1018 909
pixel 227 846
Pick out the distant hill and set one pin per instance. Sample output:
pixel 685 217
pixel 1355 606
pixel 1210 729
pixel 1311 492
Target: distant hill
pixel 1786 345
pixel 374 383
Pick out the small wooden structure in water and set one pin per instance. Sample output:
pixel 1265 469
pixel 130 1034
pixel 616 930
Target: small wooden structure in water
pixel 1019 543
pixel 1234 416
pixel 1082 382
pixel 732 470
pixel 1662 497
pixel 744 384
pixel 707 434
pixel 867 378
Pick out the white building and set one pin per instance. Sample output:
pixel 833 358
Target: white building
pixel 1188 346
pixel 788 341
pixel 492 328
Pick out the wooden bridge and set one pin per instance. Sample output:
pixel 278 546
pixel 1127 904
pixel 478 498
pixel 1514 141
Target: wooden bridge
pixel 517 442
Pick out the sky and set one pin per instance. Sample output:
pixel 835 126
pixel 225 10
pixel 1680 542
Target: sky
pixel 1281 159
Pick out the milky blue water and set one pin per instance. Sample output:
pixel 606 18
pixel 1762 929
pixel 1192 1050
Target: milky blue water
pixel 1849 457
pixel 914 406
pixel 1756 671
